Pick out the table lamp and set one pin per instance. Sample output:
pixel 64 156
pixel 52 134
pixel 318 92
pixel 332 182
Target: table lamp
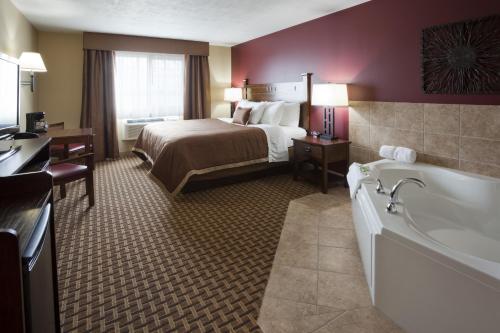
pixel 233 95
pixel 329 95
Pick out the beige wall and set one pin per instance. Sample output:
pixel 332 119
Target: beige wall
pixel 220 78
pixel 60 89
pixel 465 137
pixel 18 35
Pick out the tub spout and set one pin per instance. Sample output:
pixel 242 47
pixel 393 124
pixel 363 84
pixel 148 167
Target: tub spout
pixel 394 195
pixel 380 188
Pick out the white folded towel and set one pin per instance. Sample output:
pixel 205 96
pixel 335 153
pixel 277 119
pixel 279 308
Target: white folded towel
pixel 355 178
pixel 405 155
pixel 387 152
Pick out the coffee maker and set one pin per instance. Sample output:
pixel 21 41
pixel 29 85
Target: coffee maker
pixel 35 122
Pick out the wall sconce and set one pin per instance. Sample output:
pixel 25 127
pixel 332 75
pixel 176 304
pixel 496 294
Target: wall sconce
pixel 329 95
pixel 31 62
pixel 233 95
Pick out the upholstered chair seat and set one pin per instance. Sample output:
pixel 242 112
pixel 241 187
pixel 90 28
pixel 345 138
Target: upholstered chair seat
pixel 67 170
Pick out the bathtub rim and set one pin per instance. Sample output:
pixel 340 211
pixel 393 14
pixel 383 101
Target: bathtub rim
pixel 395 227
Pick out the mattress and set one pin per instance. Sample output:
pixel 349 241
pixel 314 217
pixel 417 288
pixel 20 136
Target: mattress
pixel 181 149
pixel 289 132
pixel 293 133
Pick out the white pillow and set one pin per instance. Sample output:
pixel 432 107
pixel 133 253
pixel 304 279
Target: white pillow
pixel 291 114
pixel 257 110
pixel 272 113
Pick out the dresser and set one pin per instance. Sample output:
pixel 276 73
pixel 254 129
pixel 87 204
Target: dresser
pixel 28 271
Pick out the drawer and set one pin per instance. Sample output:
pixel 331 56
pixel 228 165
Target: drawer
pixel 338 153
pixel 305 151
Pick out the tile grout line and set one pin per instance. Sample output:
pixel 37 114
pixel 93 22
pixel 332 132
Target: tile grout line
pixel 317 261
pixel 423 127
pixel 459 135
pixel 295 301
pixel 329 321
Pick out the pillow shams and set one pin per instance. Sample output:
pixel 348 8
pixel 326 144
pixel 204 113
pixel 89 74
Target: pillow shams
pixel 273 113
pixel 257 110
pixel 291 114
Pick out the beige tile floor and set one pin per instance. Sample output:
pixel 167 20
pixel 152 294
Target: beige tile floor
pixel 317 282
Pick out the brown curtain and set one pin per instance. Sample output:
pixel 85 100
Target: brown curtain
pixel 197 88
pixel 98 102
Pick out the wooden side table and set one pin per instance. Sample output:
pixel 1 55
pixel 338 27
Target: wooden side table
pixel 323 153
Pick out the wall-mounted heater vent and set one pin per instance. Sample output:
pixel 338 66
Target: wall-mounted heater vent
pixel 132 127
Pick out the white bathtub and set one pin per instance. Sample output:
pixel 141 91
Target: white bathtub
pixel 434 266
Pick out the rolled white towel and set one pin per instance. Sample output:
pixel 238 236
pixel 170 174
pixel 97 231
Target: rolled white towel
pixel 405 155
pixel 355 177
pixel 387 152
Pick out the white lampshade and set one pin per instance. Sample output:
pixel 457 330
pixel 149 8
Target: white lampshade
pixel 233 94
pixel 32 62
pixel 329 94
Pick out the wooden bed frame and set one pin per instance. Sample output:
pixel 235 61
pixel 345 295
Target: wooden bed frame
pixel 285 91
pixel 300 92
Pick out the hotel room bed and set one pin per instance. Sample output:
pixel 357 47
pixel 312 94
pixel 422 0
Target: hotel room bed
pixel 195 150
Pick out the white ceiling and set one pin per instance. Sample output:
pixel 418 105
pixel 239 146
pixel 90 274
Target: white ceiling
pixel 220 22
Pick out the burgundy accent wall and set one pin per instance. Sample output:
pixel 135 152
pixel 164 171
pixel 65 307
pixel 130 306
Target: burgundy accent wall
pixel 375 47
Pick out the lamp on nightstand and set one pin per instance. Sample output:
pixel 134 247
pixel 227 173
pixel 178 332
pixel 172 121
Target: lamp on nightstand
pixel 329 95
pixel 233 95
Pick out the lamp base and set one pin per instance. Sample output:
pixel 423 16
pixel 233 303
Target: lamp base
pixel 327 137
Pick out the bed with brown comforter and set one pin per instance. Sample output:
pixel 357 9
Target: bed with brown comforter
pixel 178 150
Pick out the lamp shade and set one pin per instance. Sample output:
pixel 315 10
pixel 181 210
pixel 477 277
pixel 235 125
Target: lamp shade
pixel 32 62
pixel 233 94
pixel 329 94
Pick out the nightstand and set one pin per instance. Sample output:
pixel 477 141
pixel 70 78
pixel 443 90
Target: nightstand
pixel 322 153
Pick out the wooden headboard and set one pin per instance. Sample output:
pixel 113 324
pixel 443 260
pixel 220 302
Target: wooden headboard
pixel 299 91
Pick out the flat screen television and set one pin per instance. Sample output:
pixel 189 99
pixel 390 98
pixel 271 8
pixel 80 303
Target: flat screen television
pixel 9 95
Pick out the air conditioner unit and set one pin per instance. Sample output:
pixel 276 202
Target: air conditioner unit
pixel 132 127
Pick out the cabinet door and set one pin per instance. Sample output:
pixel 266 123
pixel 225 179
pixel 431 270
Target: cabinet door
pixel 365 243
pixel 38 279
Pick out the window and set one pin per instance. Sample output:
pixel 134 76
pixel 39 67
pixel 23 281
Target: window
pixel 149 85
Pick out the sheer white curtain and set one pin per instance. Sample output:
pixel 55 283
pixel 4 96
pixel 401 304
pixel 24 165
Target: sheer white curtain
pixel 149 85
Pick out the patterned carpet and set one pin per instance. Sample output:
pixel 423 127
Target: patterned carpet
pixel 139 262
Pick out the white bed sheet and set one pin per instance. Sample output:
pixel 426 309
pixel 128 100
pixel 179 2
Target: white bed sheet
pixel 279 139
pixel 293 132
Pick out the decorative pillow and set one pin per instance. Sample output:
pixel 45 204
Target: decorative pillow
pixel 241 116
pixel 257 110
pixel 291 114
pixel 272 113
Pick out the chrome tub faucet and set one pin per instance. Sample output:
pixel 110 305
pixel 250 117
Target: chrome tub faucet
pixel 394 195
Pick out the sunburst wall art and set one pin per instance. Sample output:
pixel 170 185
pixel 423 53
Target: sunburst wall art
pixel 462 58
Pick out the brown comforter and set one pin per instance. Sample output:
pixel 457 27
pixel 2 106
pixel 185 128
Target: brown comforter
pixel 180 149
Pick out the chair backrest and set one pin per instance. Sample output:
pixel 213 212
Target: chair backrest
pixel 88 159
pixel 57 125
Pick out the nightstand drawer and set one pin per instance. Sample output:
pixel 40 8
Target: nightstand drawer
pixel 337 153
pixel 306 151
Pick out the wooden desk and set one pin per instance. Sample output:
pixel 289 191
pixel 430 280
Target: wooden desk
pixel 322 152
pixel 32 156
